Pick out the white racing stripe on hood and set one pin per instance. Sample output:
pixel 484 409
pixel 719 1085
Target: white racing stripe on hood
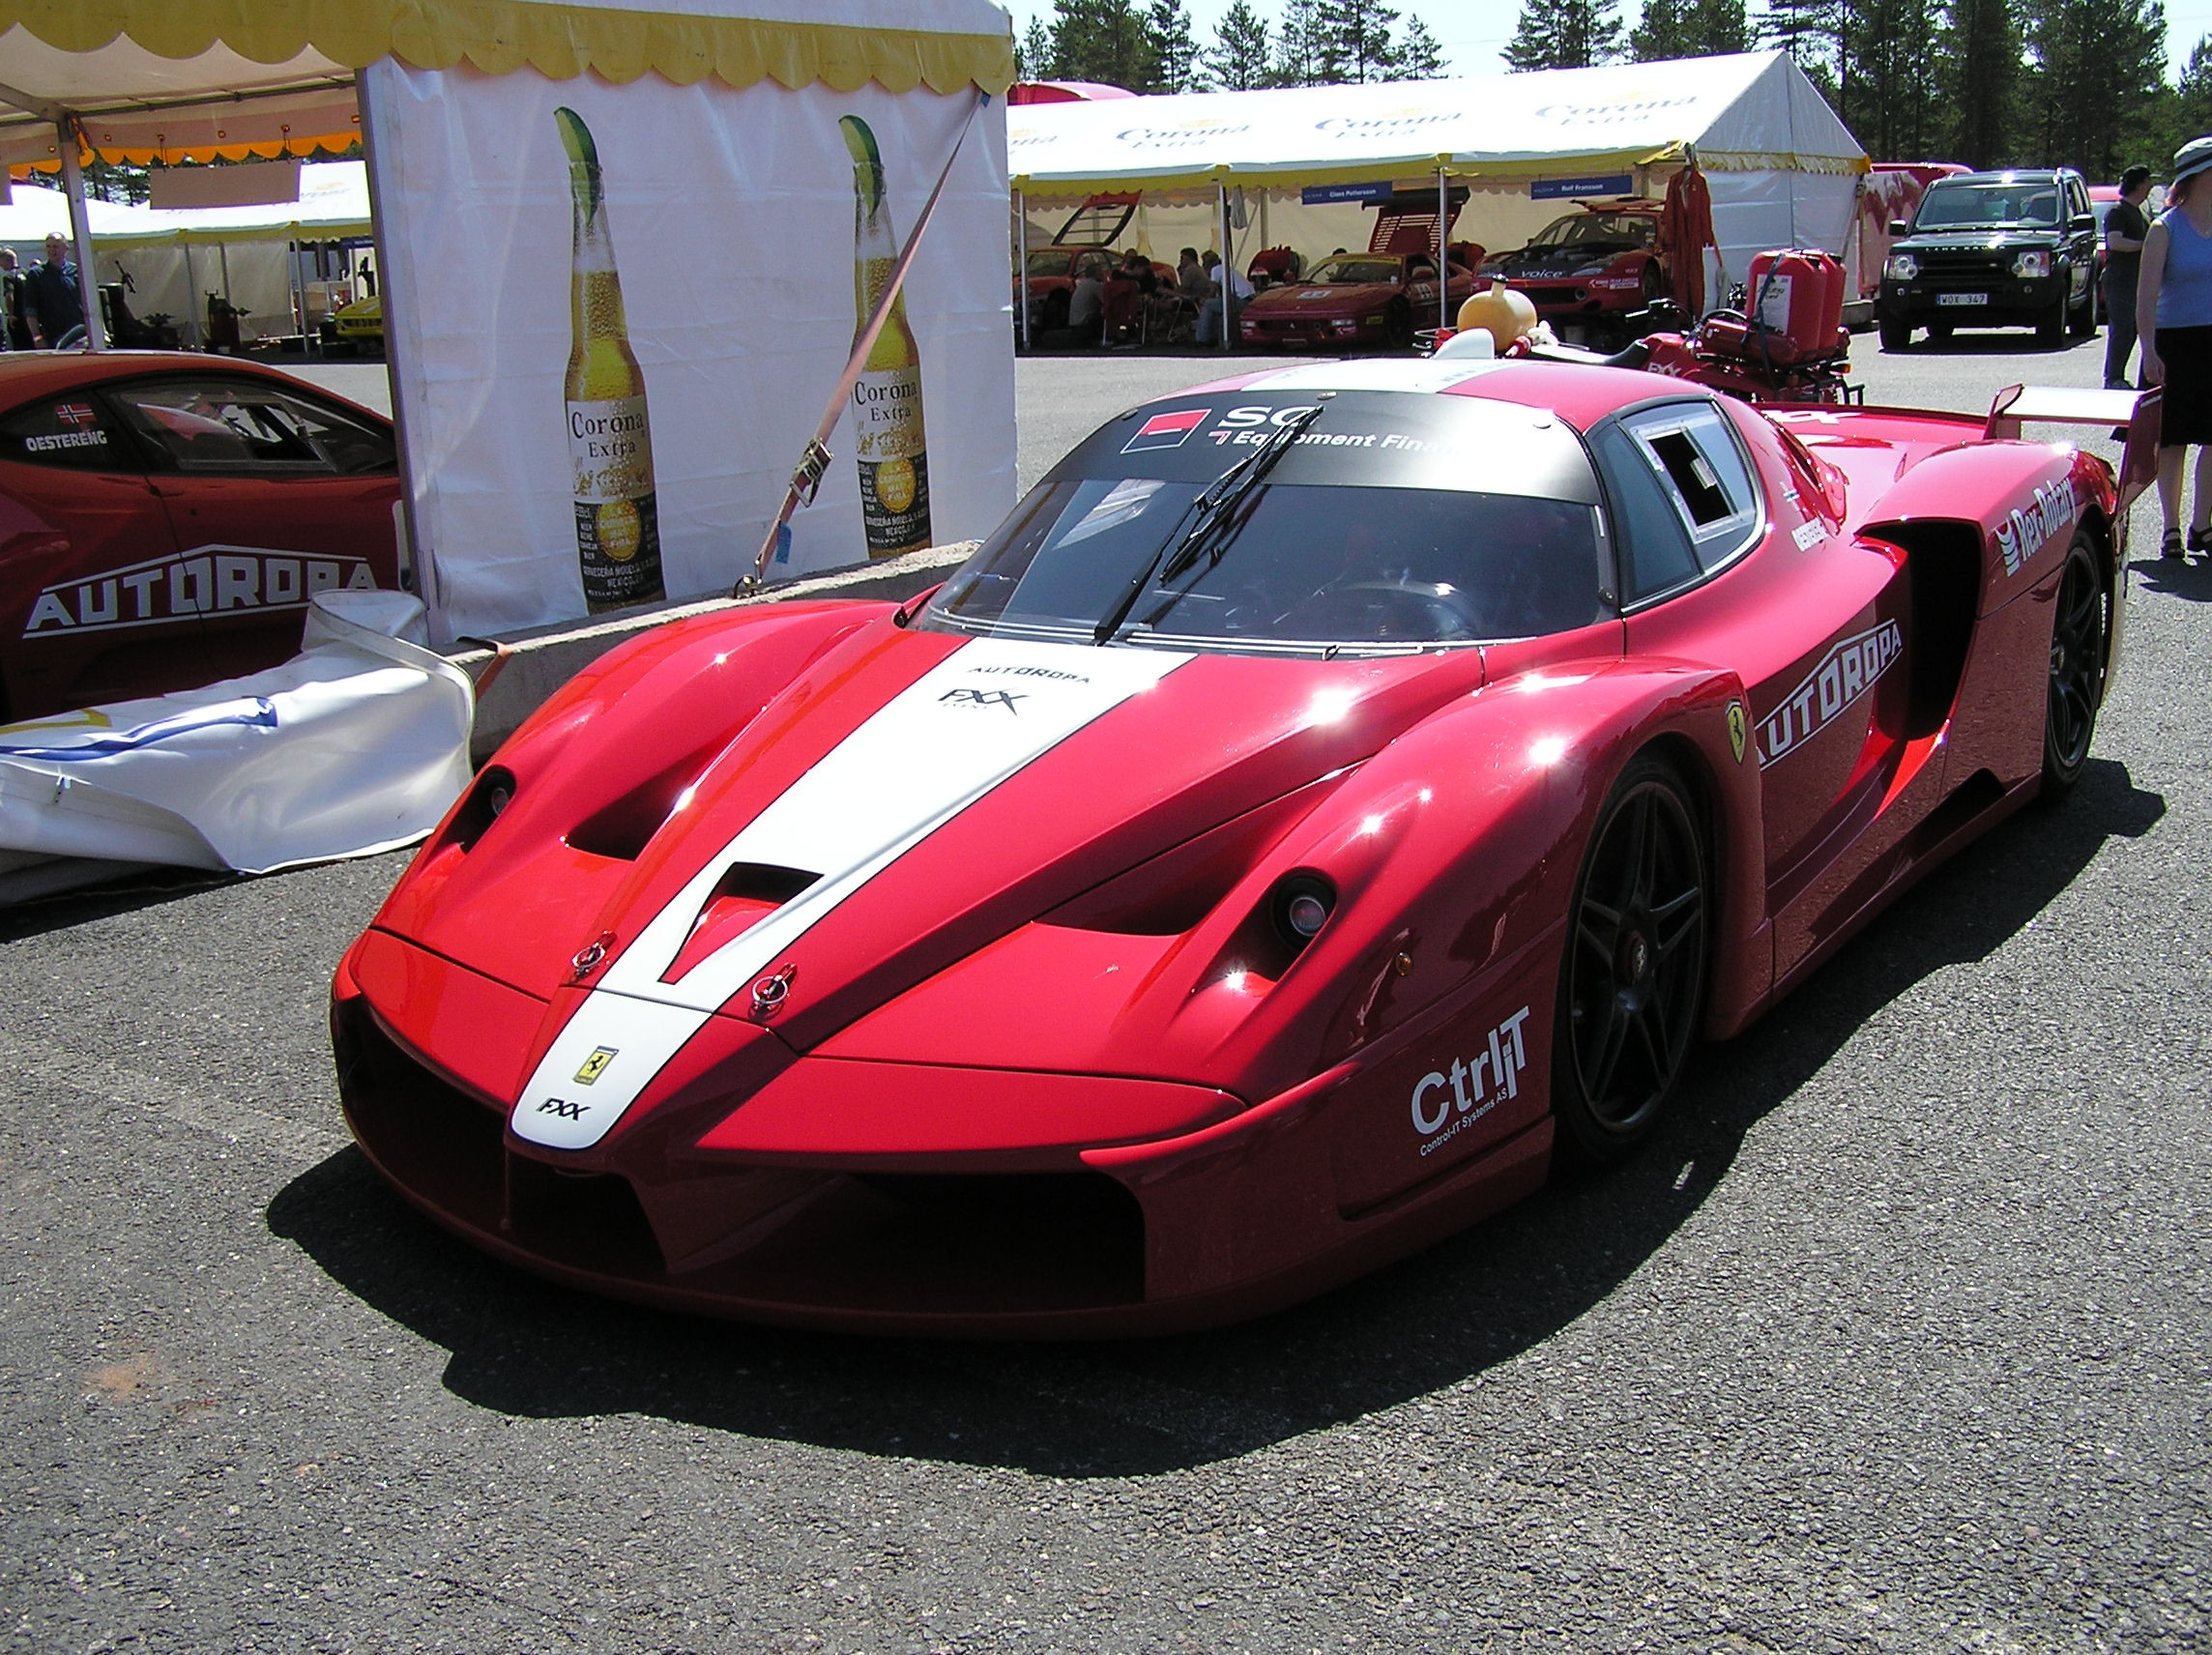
pixel 977 718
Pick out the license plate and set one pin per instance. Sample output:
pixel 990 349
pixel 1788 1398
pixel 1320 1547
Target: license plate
pixel 1962 299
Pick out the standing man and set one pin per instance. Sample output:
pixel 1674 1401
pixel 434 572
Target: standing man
pixel 2125 228
pixel 14 330
pixel 52 296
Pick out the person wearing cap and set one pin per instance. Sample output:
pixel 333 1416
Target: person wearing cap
pixel 2173 308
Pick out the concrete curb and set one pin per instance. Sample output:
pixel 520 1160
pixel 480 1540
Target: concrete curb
pixel 542 662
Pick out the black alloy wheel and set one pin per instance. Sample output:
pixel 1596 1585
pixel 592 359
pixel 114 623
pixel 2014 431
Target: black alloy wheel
pixel 2078 627
pixel 1632 977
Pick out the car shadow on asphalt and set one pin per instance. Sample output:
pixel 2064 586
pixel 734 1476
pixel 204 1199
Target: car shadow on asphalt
pixel 528 1348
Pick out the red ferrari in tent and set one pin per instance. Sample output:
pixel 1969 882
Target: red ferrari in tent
pixel 1327 797
pixel 164 519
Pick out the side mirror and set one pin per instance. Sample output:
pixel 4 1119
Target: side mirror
pixel 2084 221
pixel 1898 227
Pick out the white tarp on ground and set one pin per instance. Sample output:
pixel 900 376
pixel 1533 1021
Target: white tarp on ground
pixel 732 217
pixel 1783 170
pixel 357 744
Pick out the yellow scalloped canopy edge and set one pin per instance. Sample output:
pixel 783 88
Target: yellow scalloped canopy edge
pixel 559 41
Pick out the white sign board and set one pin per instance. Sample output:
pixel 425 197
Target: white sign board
pixel 613 329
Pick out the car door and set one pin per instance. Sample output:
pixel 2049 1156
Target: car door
pixel 273 494
pixel 1720 567
pixel 84 543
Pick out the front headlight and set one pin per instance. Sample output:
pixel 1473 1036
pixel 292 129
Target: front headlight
pixel 2036 261
pixel 1900 267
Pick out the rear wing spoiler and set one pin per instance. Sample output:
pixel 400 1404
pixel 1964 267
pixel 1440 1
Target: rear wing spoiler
pixel 2132 417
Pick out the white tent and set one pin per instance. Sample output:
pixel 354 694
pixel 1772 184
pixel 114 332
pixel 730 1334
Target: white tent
pixel 1781 168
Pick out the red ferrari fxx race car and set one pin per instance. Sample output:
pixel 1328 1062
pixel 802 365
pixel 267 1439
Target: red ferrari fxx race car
pixel 1328 794
pixel 1354 299
pixel 164 520
pixel 1600 262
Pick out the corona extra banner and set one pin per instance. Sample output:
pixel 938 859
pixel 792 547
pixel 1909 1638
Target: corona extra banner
pixel 618 312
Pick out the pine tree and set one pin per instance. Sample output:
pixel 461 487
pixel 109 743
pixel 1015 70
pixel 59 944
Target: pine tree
pixel 1891 46
pixel 1979 49
pixel 1239 60
pixel 1175 48
pixel 1300 50
pixel 2098 64
pixel 1689 28
pixel 1419 56
pixel 1356 41
pixel 1105 40
pixel 1033 56
pixel 1808 30
pixel 1565 33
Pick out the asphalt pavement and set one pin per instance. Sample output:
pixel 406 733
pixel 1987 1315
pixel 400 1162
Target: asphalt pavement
pixel 1895 1339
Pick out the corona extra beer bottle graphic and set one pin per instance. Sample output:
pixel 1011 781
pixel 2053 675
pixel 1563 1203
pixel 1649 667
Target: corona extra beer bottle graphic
pixel 886 398
pixel 610 440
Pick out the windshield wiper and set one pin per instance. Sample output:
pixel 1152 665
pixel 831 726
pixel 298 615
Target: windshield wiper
pixel 1216 505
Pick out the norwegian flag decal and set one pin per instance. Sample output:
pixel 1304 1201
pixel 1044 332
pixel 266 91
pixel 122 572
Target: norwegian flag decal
pixel 1166 430
pixel 74 414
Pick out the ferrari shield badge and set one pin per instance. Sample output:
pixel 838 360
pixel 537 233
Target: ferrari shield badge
pixel 595 1065
pixel 1735 729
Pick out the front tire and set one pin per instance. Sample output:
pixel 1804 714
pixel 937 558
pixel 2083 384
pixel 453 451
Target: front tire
pixel 2051 329
pixel 2075 685
pixel 1632 975
pixel 1397 324
pixel 1896 334
pixel 2084 322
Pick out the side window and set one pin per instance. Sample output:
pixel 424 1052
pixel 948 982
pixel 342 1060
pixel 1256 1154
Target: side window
pixel 73 431
pixel 242 427
pixel 1695 454
pixel 1655 553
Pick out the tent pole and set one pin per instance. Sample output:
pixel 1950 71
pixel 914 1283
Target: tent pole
pixel 81 225
pixel 1022 264
pixel 298 294
pixel 191 300
pixel 1443 262
pixel 1228 252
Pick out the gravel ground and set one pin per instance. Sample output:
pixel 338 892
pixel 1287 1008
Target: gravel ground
pixel 1893 1340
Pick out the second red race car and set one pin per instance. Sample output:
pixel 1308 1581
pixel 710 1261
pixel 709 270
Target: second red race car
pixel 1594 265
pixel 165 518
pixel 1329 794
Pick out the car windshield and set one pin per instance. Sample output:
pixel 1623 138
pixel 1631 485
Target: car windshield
pixel 1994 204
pixel 1051 261
pixel 1394 524
pixel 1355 269
pixel 1591 230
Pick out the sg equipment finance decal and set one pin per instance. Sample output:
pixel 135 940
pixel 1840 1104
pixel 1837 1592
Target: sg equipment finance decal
pixel 1166 430
pixel 1843 676
pixel 1467 1089
pixel 2029 529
